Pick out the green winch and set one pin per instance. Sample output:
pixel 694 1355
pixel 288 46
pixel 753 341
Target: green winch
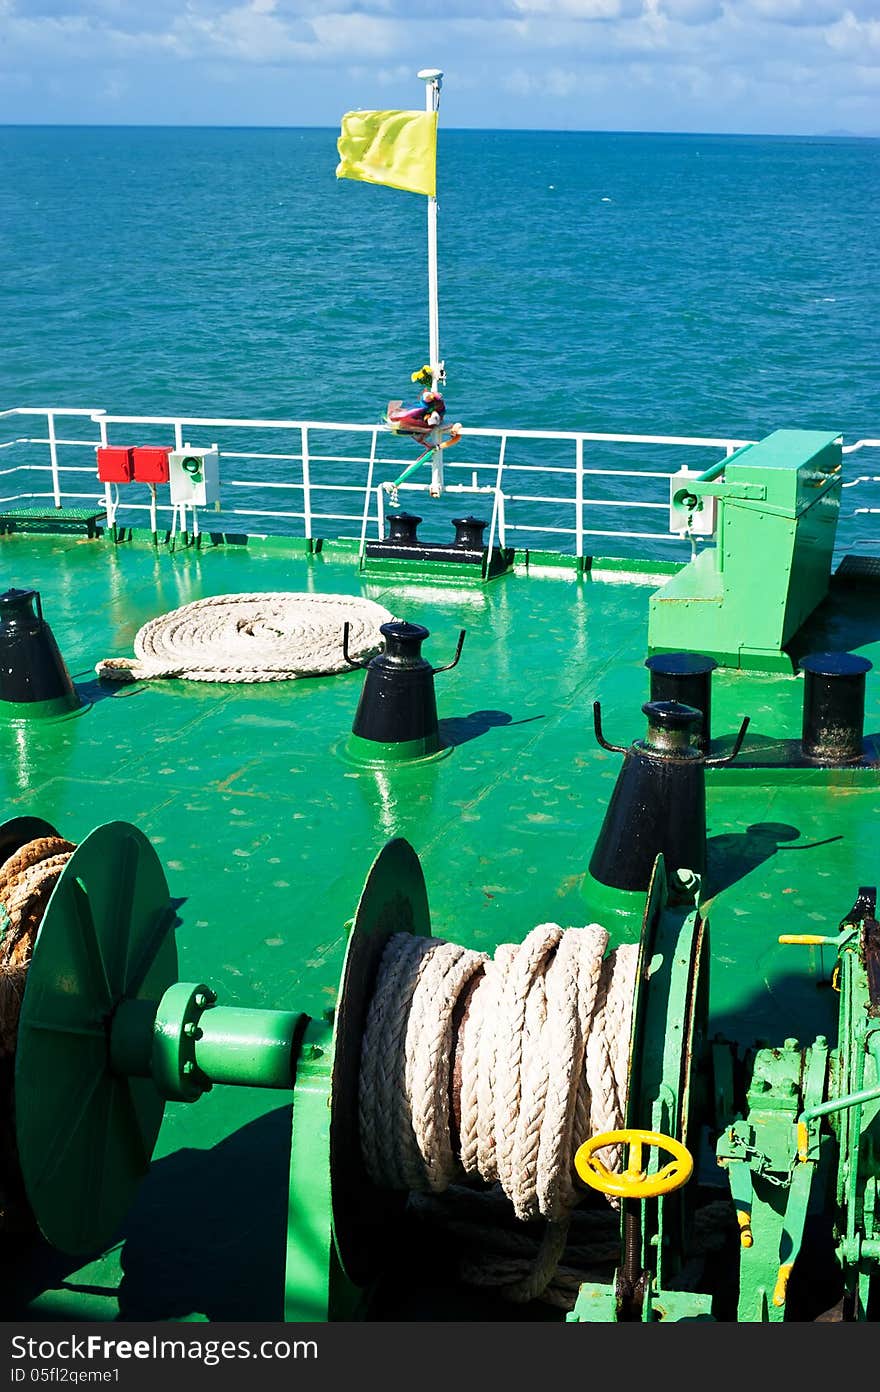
pixel 108 1035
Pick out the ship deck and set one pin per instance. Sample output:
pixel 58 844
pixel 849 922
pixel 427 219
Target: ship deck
pixel 266 834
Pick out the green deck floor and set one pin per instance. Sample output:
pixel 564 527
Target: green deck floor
pixel 266 835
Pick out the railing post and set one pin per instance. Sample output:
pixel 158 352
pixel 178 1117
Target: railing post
pixel 499 474
pixel 108 496
pixel 53 458
pixel 307 485
pixel 367 491
pixel 579 498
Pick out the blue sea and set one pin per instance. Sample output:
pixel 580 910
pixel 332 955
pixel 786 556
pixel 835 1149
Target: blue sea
pixel 675 284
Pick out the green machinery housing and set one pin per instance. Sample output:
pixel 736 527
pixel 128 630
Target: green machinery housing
pixel 742 600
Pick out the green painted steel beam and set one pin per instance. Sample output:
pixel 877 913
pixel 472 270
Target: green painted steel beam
pixel 308 1294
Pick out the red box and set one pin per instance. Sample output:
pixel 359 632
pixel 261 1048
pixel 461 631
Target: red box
pixel 150 464
pixel 114 464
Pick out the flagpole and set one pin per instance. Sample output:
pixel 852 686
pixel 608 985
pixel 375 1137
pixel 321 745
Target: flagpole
pixel 433 80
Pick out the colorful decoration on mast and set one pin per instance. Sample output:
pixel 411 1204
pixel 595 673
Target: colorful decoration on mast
pixel 399 149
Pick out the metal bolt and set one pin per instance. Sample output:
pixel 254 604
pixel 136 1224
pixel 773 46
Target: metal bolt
pixel 192 1031
pixel 821 1041
pixel 188 1068
pixel 315 1052
pixel 686 878
pixel 203 999
pixel 789 1043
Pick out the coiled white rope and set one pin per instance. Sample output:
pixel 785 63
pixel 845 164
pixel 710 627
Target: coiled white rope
pixel 543 1051
pixel 252 638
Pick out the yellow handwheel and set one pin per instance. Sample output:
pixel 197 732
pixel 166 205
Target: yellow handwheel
pixel 634 1182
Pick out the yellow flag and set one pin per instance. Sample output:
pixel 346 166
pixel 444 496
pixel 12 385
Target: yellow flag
pixel 398 148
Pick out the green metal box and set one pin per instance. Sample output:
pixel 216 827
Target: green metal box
pixel 744 599
pixel 792 465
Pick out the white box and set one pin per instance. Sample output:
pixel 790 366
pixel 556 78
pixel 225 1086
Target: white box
pixel 702 517
pixel 194 476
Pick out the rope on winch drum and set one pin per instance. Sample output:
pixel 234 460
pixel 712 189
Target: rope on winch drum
pixel 274 636
pixel 494 1256
pixel 27 879
pixel 544 1054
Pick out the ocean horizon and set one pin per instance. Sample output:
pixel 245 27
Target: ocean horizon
pixel 675 284
pixel 509 130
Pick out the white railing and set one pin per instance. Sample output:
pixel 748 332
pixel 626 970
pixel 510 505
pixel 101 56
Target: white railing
pixel 565 486
pixel 862 479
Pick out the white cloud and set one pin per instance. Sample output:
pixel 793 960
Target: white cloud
pixel 854 38
pixel 798 12
pixel 866 77
pixel 582 9
pixel 250 32
pixel 690 11
pixel 734 62
pixel 356 34
pixel 114 86
pixel 393 77
pixel 551 82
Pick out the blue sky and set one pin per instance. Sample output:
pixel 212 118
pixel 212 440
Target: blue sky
pixel 786 66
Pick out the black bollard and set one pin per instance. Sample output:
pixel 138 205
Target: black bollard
pixel 685 677
pixel 396 718
pixel 469 532
pixel 403 528
pixel 659 799
pixel 834 707
pixel 34 680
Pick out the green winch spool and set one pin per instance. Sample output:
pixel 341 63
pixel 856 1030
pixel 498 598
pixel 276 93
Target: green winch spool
pixel 107 1035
